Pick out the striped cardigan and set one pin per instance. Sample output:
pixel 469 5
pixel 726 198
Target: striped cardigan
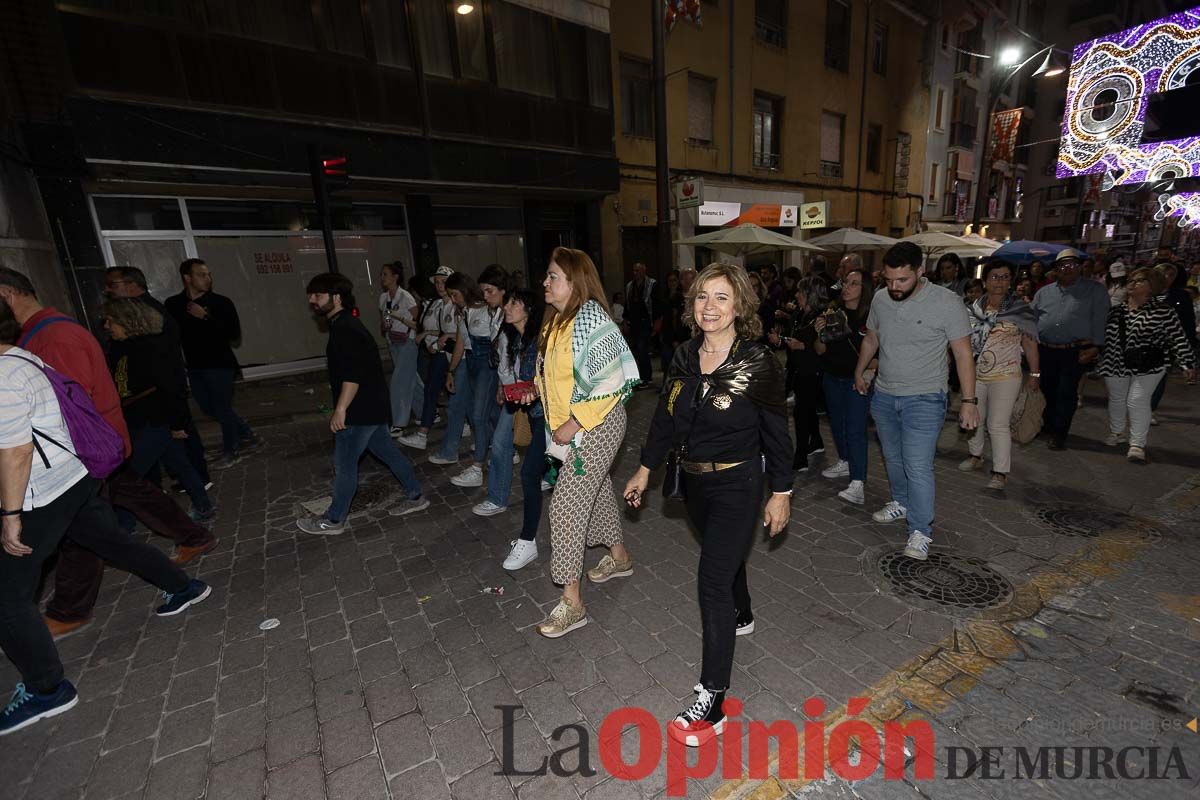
pixel 1154 324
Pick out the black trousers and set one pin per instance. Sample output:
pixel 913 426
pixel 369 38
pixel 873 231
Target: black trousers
pixel 725 507
pixel 807 391
pixel 87 520
pixel 79 571
pixel 641 336
pixel 1061 372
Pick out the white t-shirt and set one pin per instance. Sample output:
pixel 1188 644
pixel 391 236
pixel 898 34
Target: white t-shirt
pixel 27 401
pixel 400 304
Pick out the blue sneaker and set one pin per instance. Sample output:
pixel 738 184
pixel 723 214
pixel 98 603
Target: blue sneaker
pixel 26 708
pixel 175 603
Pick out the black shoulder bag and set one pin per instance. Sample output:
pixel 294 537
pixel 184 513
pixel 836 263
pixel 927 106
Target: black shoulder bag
pixel 673 488
pixel 1141 360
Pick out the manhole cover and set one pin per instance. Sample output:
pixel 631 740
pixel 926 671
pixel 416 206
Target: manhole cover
pixel 946 579
pixel 1094 521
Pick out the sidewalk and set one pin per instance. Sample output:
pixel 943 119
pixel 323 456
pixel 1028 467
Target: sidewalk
pixel 1064 612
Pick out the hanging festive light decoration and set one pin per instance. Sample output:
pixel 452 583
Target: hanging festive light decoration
pixel 1184 208
pixel 1107 98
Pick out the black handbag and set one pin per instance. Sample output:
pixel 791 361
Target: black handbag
pixel 1141 360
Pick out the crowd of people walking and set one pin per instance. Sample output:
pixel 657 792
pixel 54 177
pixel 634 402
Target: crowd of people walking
pixel 540 378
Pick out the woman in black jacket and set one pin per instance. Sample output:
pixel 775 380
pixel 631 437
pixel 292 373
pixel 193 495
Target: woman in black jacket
pixel 840 332
pixel 723 412
pixel 146 371
pixel 798 336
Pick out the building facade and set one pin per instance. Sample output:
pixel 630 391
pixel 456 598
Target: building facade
pixel 770 105
pixel 474 133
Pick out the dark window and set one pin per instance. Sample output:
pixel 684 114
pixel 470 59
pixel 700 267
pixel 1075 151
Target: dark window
pixel 138 214
pixel 637 116
pixel 572 62
pixel 390 27
pixel 965 120
pixel 832 132
pixel 969 43
pixel 523 47
pixel 433 37
pixel 879 49
pixel 702 94
pixel 599 70
pixel 286 22
pixel 874 147
pixel 768 124
pixel 344 26
pixel 472 45
pixel 770 22
pixel 837 35
pixel 247 215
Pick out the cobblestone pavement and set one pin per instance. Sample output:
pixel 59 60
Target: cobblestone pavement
pixel 1079 625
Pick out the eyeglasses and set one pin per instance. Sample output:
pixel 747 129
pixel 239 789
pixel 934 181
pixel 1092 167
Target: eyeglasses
pixel 1003 276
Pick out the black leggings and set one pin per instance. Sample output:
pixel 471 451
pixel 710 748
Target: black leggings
pixel 807 389
pixel 725 508
pixel 85 519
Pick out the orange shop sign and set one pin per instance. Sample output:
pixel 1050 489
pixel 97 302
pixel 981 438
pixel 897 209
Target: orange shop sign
pixel 768 215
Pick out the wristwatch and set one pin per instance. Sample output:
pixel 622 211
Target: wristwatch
pixel 972 400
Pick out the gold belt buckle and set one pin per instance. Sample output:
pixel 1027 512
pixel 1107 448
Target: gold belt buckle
pixel 700 467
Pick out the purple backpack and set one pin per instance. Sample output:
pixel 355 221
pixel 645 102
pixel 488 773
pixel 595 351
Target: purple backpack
pixel 97 445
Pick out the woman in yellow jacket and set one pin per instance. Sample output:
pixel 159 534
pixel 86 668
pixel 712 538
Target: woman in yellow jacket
pixel 585 374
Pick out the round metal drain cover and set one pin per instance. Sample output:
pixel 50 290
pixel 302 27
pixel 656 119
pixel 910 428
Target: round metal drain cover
pixel 947 579
pixel 1087 521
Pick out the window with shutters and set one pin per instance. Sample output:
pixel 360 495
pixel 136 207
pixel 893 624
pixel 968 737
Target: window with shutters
pixel 965 122
pixel 832 131
pixel 837 35
pixel 770 22
pixel 637 117
pixel 768 124
pixel 903 155
pixel 701 97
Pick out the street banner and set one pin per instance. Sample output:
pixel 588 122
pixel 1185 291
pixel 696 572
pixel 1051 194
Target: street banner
pixel 681 9
pixel 1005 125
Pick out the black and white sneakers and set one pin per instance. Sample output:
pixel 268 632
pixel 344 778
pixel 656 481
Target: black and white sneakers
pixel 700 721
pixel 745 623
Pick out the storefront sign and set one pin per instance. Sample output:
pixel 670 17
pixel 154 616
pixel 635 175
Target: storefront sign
pixel 715 215
pixel 814 215
pixel 689 192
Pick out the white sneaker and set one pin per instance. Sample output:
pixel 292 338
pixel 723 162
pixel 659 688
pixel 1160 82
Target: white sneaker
pixel 892 512
pixel 918 546
pixel 854 493
pixel 546 485
pixel 396 432
pixel 416 440
pixel 441 460
pixel 1114 439
pixel 516 458
pixel 1153 420
pixel 522 553
pixel 469 477
pixel 488 509
pixel 466 430
pixel 839 470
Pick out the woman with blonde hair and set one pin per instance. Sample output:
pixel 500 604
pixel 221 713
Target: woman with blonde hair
pixel 585 374
pixel 723 412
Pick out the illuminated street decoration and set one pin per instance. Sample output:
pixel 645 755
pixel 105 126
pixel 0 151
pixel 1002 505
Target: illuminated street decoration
pixel 1105 117
pixel 1184 207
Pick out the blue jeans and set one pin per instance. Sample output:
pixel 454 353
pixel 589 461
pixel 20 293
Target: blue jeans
pixel 348 447
pixel 153 443
pixel 457 410
pixel 213 391
pixel 435 380
pixel 848 420
pixel 908 430
pixel 500 469
pixel 408 393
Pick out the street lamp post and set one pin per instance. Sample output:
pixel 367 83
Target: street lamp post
pixel 1008 60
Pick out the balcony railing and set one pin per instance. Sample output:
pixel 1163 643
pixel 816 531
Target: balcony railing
pixel 770 32
pixel 831 169
pixel 766 160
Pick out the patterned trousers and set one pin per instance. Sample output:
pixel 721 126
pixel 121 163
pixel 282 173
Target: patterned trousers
pixel 583 510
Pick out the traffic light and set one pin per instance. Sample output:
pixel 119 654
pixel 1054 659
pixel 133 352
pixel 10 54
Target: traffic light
pixel 336 172
pixel 330 175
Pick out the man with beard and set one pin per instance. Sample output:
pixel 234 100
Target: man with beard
pixel 910 327
pixel 361 413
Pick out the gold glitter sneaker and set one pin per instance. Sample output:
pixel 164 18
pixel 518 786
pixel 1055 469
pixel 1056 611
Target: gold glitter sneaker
pixel 609 568
pixel 565 618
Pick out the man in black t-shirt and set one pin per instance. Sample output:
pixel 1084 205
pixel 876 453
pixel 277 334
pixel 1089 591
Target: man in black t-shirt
pixel 361 411
pixel 208 327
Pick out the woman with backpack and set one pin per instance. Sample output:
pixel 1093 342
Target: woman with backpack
pixel 145 370
pixel 47 492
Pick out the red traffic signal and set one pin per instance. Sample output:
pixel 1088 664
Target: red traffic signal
pixel 335 167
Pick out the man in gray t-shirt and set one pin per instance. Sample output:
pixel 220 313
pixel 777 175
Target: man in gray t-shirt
pixel 910 327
